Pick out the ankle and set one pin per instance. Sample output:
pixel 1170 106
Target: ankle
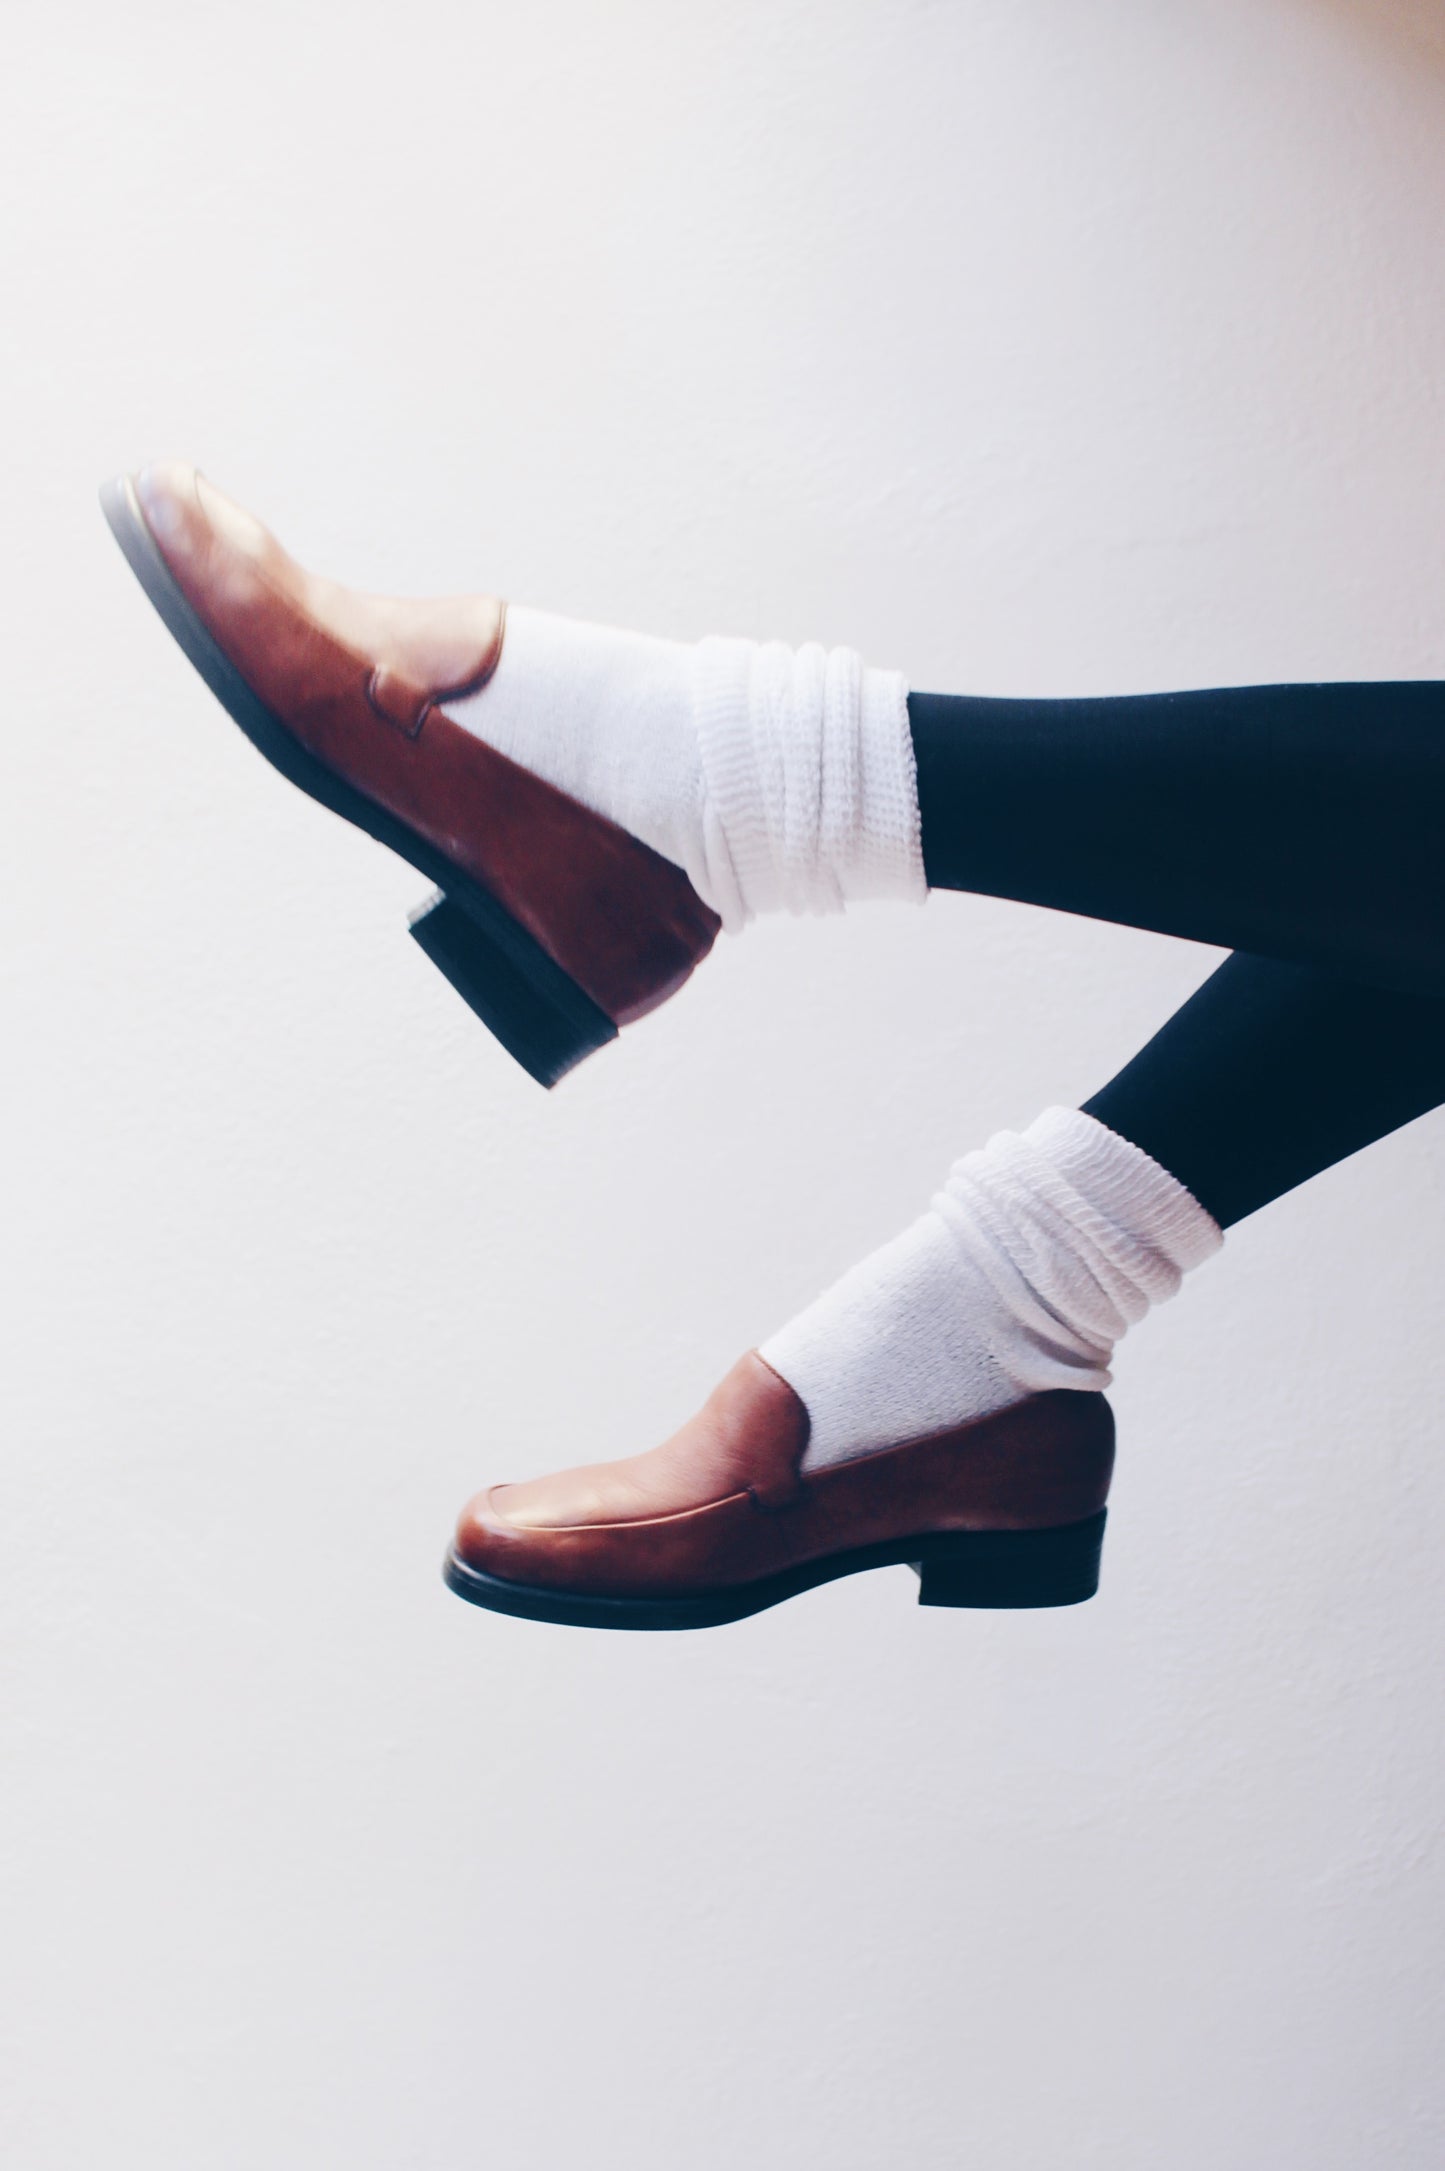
pixel 777 779
pixel 1036 1257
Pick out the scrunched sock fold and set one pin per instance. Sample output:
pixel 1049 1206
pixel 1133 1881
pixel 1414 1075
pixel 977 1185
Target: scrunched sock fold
pixel 779 779
pixel 810 796
pixel 1041 1250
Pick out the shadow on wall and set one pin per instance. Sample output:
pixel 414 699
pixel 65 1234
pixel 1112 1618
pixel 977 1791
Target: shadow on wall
pixel 1419 24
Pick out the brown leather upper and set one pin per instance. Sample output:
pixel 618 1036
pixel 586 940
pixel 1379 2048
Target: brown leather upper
pixel 359 679
pixel 726 1501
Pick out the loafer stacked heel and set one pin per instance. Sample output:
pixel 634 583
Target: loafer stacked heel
pixel 542 1019
pixel 1003 1570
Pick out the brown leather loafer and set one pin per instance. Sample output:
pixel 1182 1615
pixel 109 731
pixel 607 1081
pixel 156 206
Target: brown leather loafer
pixel 722 1521
pixel 555 925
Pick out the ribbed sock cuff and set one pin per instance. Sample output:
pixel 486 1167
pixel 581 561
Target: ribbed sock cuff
pixel 810 794
pixel 1122 1182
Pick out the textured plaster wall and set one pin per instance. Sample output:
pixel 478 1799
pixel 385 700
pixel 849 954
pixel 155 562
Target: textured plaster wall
pixel 1028 346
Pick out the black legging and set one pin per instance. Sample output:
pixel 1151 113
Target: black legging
pixel 1302 825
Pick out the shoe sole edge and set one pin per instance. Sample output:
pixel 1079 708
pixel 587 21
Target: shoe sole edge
pixel 990 1571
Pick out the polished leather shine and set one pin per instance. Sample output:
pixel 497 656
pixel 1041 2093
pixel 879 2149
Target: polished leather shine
pixel 360 681
pixel 726 1501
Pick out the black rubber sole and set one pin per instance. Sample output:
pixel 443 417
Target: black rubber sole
pixel 537 1011
pixel 991 1569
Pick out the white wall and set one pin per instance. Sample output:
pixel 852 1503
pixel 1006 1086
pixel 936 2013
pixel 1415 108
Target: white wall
pixel 1029 346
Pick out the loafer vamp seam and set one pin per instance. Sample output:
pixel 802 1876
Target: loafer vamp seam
pixel 606 1524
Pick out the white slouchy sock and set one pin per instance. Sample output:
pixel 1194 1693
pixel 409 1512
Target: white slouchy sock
pixel 1032 1261
pixel 776 778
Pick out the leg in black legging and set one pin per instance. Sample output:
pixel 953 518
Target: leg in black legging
pixel 1303 822
pixel 1272 1072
